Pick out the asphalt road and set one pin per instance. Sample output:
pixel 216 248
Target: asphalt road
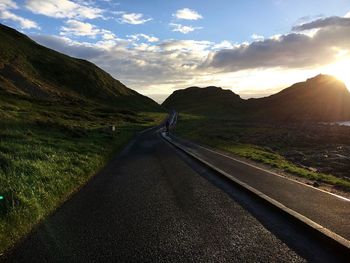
pixel 330 211
pixel 151 203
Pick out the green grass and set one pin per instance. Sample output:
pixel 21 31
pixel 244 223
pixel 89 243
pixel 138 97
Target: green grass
pixel 225 134
pixel 48 150
pixel 277 161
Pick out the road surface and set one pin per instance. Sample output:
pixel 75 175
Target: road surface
pixel 328 210
pixel 152 203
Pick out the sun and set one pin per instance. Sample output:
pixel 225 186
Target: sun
pixel 340 70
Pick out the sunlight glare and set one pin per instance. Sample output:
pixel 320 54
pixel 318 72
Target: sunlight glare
pixel 341 70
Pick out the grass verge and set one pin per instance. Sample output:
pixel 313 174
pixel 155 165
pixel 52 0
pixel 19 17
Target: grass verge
pixel 214 133
pixel 48 150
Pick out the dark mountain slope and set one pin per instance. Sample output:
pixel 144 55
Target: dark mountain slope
pixel 322 98
pixel 209 100
pixel 30 69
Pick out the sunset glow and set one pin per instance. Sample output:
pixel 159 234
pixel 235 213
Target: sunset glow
pixel 341 70
pixel 158 47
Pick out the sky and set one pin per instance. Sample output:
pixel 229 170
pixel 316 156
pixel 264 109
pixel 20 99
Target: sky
pixel 253 47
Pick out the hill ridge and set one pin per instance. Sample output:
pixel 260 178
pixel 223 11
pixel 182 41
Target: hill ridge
pixel 320 98
pixel 194 97
pixel 32 70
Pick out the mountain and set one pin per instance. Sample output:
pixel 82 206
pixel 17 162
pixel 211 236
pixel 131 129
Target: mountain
pixel 32 70
pixel 209 100
pixel 322 98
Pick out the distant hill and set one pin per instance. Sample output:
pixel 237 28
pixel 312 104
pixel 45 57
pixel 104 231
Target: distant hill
pixel 209 100
pixel 29 69
pixel 322 98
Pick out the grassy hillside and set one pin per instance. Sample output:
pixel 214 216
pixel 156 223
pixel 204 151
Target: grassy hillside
pixel 50 149
pixel 30 69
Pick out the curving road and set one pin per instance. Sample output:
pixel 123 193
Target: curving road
pixel 151 203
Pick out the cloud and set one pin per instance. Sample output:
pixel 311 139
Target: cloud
pixel 23 22
pixel 134 19
pixel 173 62
pixel 63 9
pixel 333 21
pixel 185 45
pixel 6 14
pixel 309 18
pixel 7 4
pixel 187 14
pixel 267 63
pixel 137 37
pixel 67 46
pixel 257 37
pixel 183 29
pixel 78 28
pixel 223 45
pixel 107 35
pixel 293 50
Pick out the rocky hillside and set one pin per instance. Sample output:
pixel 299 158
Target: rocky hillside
pixel 29 69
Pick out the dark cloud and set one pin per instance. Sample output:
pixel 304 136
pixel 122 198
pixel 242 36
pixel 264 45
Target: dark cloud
pixel 294 50
pixel 333 21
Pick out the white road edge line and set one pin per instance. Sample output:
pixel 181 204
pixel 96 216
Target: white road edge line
pixel 325 231
pixel 267 171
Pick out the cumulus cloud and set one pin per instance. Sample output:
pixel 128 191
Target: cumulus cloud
pixel 293 50
pixel 183 29
pixel 63 9
pixel 187 14
pixel 6 14
pixel 78 28
pixel 134 18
